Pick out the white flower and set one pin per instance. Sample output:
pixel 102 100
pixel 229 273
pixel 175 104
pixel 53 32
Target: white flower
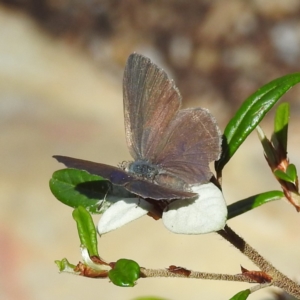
pixel 206 213
pixel 121 213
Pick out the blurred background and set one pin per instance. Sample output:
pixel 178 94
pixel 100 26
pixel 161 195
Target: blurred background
pixel 61 66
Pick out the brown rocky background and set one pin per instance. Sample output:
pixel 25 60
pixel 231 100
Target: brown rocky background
pixel 61 65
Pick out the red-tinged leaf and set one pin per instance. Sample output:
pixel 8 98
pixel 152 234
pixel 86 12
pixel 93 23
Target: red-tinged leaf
pixel 258 276
pixel 87 271
pixel 98 260
pixel 292 197
pixel 179 270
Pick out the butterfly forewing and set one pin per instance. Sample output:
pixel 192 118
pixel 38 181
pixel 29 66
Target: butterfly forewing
pixel 151 101
pixel 142 188
pixel 111 173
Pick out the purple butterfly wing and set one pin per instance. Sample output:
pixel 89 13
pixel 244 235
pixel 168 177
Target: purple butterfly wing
pixel 151 101
pixel 113 174
pixel 192 141
pixel 142 188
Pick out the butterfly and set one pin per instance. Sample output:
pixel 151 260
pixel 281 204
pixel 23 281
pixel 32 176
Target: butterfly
pixel 171 147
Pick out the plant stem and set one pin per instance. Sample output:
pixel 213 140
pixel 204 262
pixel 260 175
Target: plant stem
pixel 279 279
pixel 198 275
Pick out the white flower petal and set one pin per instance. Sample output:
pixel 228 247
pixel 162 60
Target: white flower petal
pixel 87 260
pixel 121 213
pixel 206 214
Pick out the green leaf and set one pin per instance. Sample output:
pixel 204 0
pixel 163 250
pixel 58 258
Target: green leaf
pixel 64 266
pixel 291 171
pixel 281 123
pixel 79 188
pixel 86 230
pixel 125 273
pixel 247 204
pixel 283 176
pixel 270 152
pixel 242 295
pixel 251 113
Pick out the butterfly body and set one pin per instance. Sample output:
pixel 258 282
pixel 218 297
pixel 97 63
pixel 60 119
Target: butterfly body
pixel 142 169
pixel 155 174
